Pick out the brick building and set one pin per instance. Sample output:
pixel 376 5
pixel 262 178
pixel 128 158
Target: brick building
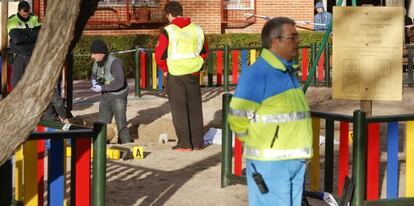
pixel 215 16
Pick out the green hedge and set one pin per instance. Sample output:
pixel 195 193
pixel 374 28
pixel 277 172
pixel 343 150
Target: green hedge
pixel 83 62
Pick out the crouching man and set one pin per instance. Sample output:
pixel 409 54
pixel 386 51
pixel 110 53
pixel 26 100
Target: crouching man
pixel 108 79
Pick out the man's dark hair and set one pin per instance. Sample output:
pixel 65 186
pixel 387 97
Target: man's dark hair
pixel 23 5
pixel 274 29
pixel 174 8
pixel 98 46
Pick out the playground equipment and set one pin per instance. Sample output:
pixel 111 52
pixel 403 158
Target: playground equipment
pixel 365 156
pixel 29 167
pixel 223 67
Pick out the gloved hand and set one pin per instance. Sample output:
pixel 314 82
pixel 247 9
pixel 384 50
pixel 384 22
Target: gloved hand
pixel 93 82
pixel 97 88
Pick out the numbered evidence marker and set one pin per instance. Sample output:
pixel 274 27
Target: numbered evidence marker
pixel 138 152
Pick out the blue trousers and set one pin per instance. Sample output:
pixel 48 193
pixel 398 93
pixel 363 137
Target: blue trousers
pixel 284 180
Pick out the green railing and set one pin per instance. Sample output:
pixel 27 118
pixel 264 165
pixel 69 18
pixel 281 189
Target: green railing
pixel 359 153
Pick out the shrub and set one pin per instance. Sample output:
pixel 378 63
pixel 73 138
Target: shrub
pixel 83 62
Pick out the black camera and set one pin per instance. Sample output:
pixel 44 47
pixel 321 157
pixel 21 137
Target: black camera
pixel 100 81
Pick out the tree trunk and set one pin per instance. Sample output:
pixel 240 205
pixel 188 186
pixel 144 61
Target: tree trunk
pixel 22 109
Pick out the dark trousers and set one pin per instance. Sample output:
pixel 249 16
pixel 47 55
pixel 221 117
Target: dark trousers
pixel 18 66
pixel 110 107
pixel 56 108
pixel 184 96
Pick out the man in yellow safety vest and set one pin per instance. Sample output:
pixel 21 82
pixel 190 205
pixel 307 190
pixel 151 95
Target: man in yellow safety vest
pixel 180 53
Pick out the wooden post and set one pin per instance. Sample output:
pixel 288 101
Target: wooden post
pixel 4 17
pixel 366 106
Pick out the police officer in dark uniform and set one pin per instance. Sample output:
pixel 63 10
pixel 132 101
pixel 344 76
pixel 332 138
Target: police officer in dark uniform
pixel 23 28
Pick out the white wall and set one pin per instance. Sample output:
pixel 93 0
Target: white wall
pixel 12 10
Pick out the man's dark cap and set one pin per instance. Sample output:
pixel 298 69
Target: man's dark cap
pixel 98 46
pixel 23 5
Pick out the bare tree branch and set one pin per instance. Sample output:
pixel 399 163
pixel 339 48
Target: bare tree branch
pixel 22 109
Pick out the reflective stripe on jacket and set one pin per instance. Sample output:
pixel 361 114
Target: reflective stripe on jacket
pixel 14 22
pixel 269 112
pixel 184 47
pixel 23 34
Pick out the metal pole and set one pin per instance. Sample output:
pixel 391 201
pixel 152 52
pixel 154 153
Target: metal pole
pixel 329 155
pixel 226 68
pixel 6 183
pixel 359 157
pixel 4 18
pixel 318 55
pixel 366 106
pixel 313 59
pixel 99 165
pixel 210 65
pixel 137 73
pixel 226 147
pixel 36 8
pixel 73 172
pixel 327 66
pixel 354 2
pixel 410 65
pixel 69 81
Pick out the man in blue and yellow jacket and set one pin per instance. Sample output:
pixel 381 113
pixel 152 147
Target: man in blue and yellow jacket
pixel 270 115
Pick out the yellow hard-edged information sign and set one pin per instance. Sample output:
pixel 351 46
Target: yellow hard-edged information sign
pixel 367 53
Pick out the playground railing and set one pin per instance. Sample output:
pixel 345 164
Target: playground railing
pixel 29 167
pixel 365 157
pixel 224 65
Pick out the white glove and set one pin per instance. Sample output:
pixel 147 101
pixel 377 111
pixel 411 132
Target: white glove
pixel 97 88
pixel 328 198
pixel 93 82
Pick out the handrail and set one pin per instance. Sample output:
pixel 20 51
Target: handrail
pixel 333 116
pixel 391 118
pixel 73 131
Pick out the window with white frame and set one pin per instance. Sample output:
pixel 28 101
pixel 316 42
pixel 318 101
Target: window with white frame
pixel 239 4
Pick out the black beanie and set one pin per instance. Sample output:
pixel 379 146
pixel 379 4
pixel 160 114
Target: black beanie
pixel 98 46
pixel 23 5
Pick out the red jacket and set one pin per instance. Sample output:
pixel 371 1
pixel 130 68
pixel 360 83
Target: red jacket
pixel 161 50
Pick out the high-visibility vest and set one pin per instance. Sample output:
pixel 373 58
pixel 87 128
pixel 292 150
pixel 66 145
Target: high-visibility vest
pixel 270 114
pixel 184 47
pixel 14 22
pixel 104 72
pixel 28 30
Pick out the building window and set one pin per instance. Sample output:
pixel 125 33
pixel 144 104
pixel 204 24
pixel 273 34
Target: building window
pixel 239 4
pixel 135 3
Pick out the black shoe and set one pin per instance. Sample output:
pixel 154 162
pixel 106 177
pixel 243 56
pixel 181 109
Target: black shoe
pixel 126 155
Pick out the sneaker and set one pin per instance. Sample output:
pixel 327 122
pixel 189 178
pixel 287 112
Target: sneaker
pixel 181 149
